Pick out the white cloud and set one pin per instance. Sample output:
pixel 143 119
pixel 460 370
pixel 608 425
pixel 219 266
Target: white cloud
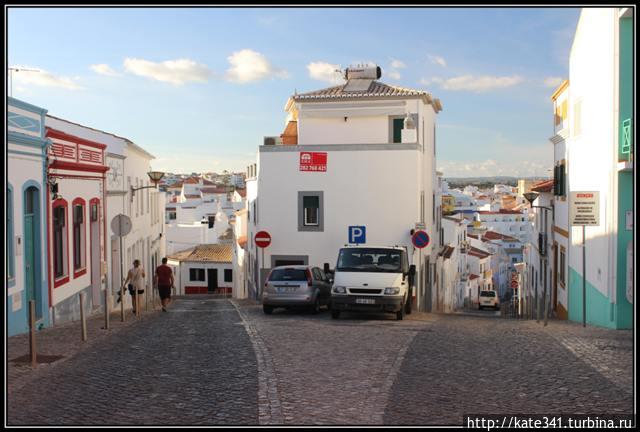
pixel 202 163
pixel 492 167
pixel 398 64
pixel 248 65
pixel 553 81
pixel 103 69
pixel 41 77
pixel 324 71
pixel 438 60
pixel 394 75
pixel 175 72
pixel 473 83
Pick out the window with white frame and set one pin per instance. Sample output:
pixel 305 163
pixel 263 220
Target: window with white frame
pixel 310 211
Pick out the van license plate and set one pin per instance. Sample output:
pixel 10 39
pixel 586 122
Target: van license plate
pixel 365 301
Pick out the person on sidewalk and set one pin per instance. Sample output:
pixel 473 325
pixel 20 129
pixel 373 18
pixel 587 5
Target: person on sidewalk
pixel 164 278
pixel 135 281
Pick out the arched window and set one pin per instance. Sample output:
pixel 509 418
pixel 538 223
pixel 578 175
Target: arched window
pixel 79 238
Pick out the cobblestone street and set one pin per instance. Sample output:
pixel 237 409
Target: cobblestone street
pixel 216 361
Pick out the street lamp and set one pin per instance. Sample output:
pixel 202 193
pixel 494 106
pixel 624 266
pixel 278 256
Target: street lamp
pixel 154 176
pixel 542 251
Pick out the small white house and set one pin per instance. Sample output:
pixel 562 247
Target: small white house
pixel 204 269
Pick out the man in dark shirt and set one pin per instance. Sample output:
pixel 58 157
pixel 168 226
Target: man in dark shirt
pixel 164 276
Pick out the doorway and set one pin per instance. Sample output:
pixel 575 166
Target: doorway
pixel 32 250
pixel 212 280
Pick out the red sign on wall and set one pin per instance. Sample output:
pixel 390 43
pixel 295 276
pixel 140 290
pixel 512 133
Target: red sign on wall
pixel 313 161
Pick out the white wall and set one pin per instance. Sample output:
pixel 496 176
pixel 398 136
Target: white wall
pixel 593 153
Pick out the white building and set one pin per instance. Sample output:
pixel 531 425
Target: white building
pixel 127 165
pixel 359 154
pixel 600 158
pixel 512 223
pixel 538 254
pixel 203 269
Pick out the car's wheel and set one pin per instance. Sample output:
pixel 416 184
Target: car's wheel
pixel 316 306
pixel 335 314
pixel 267 309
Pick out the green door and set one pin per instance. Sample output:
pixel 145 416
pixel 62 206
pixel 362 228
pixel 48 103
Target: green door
pixel 31 244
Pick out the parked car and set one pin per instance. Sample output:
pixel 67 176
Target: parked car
pixel 299 285
pixel 368 278
pixel 489 298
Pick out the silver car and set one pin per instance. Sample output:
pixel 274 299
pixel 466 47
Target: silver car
pixel 296 285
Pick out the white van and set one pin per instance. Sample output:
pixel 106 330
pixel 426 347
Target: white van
pixel 372 278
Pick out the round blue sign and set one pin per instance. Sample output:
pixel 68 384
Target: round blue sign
pixel 420 239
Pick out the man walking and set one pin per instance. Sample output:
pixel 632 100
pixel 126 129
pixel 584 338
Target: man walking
pixel 164 276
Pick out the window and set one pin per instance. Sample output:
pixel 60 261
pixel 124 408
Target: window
pixel 172 215
pixel 311 206
pixel 60 239
pixel 78 235
pixel 398 125
pixel 561 271
pixel 212 220
pixel 228 275
pixel 310 211
pixel 10 252
pixel 196 274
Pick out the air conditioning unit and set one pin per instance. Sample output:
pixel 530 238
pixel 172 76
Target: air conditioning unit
pixel 272 140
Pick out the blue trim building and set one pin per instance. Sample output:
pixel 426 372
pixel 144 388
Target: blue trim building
pixel 26 250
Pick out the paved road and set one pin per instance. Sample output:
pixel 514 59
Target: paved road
pixel 192 365
pixel 210 361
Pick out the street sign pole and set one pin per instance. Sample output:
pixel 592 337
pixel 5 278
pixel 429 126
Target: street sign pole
pixel 584 278
pixel 121 275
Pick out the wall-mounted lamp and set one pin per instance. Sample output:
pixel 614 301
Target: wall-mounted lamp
pixel 154 176
pixel 53 186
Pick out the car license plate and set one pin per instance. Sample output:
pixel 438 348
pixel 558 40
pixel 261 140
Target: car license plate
pixel 365 301
pixel 286 289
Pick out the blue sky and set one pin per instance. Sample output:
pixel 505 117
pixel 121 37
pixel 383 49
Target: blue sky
pixel 200 87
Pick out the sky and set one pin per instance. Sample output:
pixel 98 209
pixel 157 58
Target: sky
pixel 200 87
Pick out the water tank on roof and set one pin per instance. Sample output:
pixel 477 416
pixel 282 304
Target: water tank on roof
pixel 363 72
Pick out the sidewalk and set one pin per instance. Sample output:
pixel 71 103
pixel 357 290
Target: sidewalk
pixel 63 341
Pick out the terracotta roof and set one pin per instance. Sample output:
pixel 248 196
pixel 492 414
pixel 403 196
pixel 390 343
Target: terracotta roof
pixel 473 276
pixel 478 253
pixel 214 190
pixel 376 90
pixel 447 252
pixel 205 253
pixel 543 186
pixel 176 185
pixel 192 180
pixel 242 192
pixel 492 235
pixel 192 196
pixel 207 182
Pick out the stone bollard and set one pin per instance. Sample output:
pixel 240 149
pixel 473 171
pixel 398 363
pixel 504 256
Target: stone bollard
pixel 82 318
pixel 32 332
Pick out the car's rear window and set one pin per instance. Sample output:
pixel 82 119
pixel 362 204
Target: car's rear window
pixel 487 294
pixel 288 275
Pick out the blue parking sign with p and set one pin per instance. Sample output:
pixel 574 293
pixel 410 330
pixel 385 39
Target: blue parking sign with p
pixel 357 234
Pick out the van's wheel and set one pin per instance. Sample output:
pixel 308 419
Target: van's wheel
pixel 267 309
pixel 335 314
pixel 400 313
pixel 408 304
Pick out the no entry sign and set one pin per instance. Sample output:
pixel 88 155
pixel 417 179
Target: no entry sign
pixel 263 239
pixel 420 239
